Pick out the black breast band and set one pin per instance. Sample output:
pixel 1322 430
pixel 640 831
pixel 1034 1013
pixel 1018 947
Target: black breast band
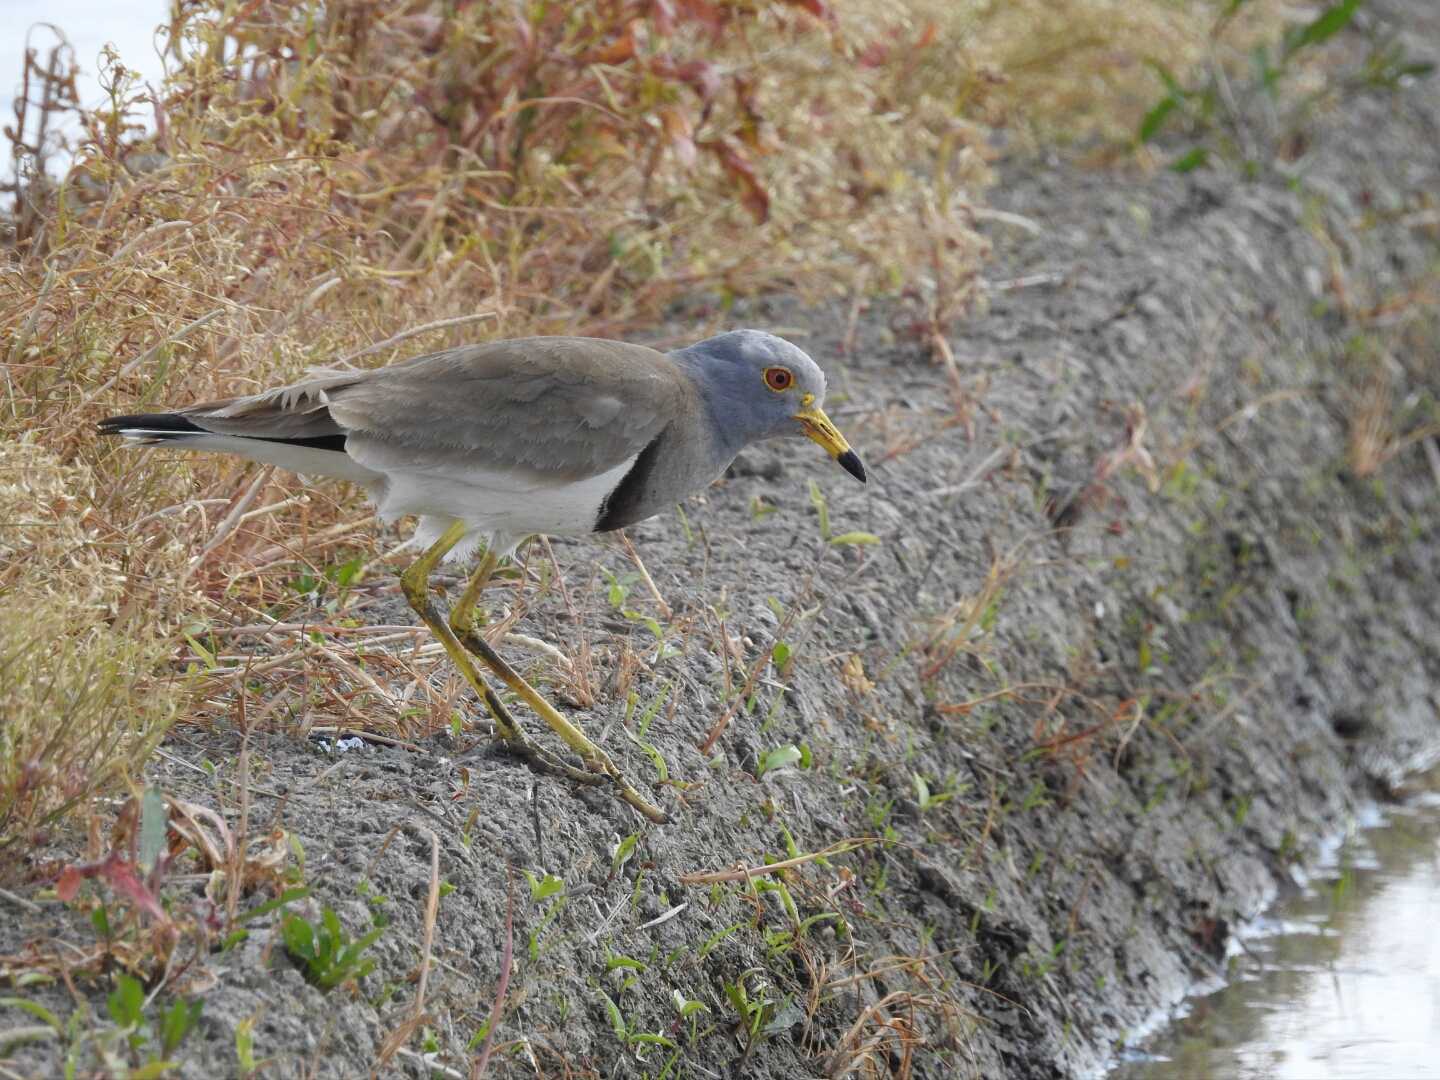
pixel 621 507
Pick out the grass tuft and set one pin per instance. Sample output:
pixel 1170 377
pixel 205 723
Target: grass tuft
pixel 78 648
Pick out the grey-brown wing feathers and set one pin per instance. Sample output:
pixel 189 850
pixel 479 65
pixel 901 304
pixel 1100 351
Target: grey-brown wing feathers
pixel 565 407
pixel 298 411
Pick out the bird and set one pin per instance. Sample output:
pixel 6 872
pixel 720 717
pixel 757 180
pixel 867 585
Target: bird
pixel 494 442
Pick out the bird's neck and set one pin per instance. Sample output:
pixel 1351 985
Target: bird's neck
pixel 727 438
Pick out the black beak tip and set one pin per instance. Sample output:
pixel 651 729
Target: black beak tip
pixel 851 463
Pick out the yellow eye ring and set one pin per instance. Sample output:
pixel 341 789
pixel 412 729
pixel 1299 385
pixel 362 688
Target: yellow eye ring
pixel 779 379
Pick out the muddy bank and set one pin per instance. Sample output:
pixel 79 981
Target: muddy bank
pixel 1131 636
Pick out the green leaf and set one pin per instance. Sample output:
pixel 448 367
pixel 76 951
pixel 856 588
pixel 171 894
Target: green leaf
pixel 1323 27
pixel 298 936
pixel 651 1040
pixel 544 887
pixel 662 771
pixel 151 1070
pixel 35 1009
pixel 1155 119
pixel 177 1021
pixel 738 1001
pixel 854 539
pixel 822 509
pixel 1172 84
pixel 617 1022
pixel 479 1036
pixel 287 897
pixel 245 1045
pixel 1190 161
pixel 206 655
pixel 780 655
pixel 154 819
pixel 922 790
pixel 126 1002
pixel 623 851
pixel 345 573
pixel 716 938
pixel 816 920
pixel 779 758
pixel 1418 69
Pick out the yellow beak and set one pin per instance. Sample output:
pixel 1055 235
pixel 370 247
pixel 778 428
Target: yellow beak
pixel 818 427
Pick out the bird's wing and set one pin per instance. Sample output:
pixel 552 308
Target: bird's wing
pixel 560 408
pixel 297 411
pixel 570 408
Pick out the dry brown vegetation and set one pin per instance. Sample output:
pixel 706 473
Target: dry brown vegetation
pixel 355 180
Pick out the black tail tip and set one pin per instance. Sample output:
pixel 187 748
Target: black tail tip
pixel 150 422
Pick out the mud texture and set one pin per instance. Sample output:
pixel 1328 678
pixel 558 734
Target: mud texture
pixel 1131 727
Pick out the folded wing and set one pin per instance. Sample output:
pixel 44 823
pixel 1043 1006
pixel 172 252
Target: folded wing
pixel 544 410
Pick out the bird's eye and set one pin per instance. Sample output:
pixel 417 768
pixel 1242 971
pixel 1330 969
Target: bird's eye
pixel 779 378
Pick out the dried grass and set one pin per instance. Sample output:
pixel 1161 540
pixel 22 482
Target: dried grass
pixel 341 180
pixel 1073 70
pixel 79 647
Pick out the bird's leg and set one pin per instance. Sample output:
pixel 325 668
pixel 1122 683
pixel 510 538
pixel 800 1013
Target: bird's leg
pixel 576 739
pixel 464 615
pixel 463 623
pixel 415 583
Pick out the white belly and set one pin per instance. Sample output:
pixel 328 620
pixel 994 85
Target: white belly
pixel 501 507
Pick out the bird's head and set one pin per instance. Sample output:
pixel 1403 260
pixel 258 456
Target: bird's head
pixel 759 386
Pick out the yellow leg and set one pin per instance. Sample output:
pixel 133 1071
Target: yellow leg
pixel 463 616
pixel 576 739
pixel 415 583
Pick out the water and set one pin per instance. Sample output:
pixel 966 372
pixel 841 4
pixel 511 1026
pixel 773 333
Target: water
pixel 1341 982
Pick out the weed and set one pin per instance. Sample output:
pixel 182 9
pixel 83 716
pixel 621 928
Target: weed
pixel 617 586
pixel 715 939
pixel 1200 105
pixel 689 1010
pixel 1036 797
pixel 547 888
pixel 1240 811
pixel 822 510
pixel 782 757
pixel 642 727
pixel 964 627
pixel 142 1043
pixel 754 1007
pixel 325 954
pixel 629 1037
pixel 925 798
pixel 624 851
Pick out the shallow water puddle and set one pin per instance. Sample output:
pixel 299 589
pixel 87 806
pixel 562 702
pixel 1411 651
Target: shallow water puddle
pixel 1341 982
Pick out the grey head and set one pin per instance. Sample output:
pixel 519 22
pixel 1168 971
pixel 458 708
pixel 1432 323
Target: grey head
pixel 758 386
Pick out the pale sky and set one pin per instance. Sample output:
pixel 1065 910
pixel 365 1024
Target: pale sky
pixel 128 24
